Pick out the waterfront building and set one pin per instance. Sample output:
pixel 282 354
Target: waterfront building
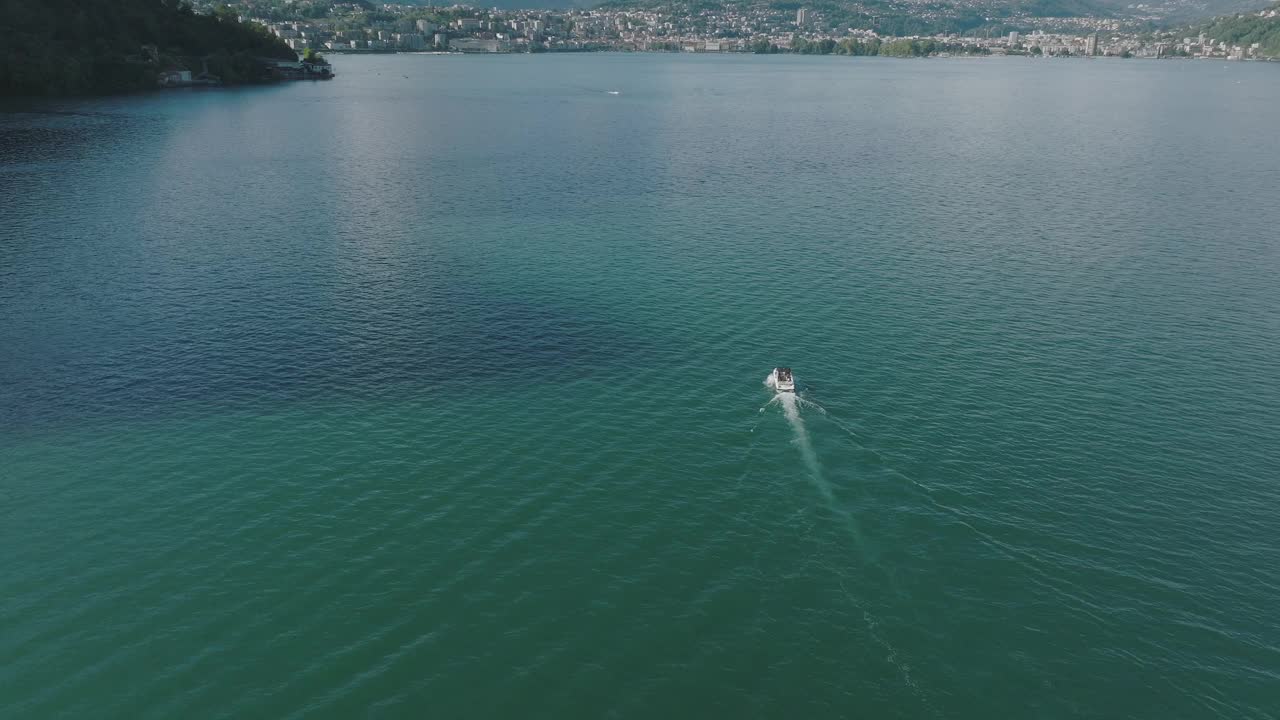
pixel 474 45
pixel 175 78
pixel 410 41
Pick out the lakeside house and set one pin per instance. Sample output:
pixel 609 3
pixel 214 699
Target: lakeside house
pixel 175 78
pixel 307 69
pixel 180 78
pixel 317 68
pixel 314 68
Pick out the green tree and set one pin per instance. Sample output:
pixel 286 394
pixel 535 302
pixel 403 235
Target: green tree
pixel 898 48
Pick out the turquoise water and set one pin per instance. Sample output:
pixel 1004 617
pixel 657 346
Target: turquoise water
pixel 436 390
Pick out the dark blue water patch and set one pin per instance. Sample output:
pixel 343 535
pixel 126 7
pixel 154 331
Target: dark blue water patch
pixel 240 361
pixel 30 144
pixel 36 135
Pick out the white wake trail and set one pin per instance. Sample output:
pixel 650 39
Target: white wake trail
pixel 791 408
pixel 791 405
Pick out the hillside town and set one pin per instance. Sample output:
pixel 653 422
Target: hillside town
pixel 354 28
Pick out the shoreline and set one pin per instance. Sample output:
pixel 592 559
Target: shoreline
pixel 198 87
pixel 735 53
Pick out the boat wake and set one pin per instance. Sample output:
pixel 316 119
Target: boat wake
pixel 791 408
pixel 926 491
pixel 791 403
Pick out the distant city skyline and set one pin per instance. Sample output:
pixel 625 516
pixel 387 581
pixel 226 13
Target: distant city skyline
pixel 733 28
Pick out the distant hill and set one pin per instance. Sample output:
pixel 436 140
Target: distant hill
pixel 59 47
pixel 1248 29
pixel 921 12
pixel 994 8
pixel 1185 10
pixel 1049 8
pixel 900 17
pixel 512 4
pixel 1042 8
pixel 1054 8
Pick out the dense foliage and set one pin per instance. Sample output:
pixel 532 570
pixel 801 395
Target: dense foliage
pixel 1248 29
pixel 54 47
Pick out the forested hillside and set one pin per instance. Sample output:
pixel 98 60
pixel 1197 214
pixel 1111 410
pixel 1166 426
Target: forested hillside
pixel 56 47
pixel 1249 29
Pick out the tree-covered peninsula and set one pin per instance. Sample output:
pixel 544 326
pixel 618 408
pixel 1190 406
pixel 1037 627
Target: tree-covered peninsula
pixel 65 47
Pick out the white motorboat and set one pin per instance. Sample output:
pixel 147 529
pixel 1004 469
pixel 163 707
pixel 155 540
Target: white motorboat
pixel 782 380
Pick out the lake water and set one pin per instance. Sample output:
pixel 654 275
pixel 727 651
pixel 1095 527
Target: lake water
pixel 436 391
